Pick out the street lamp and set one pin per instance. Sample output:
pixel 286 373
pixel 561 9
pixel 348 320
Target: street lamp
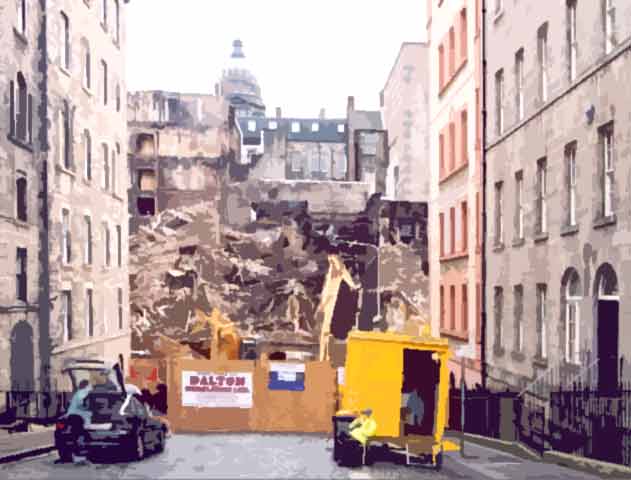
pixel 376 247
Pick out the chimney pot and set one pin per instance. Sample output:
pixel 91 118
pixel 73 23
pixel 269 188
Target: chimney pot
pixel 278 112
pixel 322 114
pixel 351 103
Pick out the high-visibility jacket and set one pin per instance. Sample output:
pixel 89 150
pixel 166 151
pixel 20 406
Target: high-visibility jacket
pixel 362 430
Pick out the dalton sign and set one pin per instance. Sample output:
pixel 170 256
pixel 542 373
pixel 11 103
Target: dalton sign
pixel 217 390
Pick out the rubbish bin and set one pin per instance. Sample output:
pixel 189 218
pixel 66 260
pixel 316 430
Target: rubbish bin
pixel 341 423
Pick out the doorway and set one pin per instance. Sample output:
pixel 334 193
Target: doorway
pixel 418 392
pixel 607 335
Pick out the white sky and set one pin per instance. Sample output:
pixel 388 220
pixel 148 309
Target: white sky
pixel 306 55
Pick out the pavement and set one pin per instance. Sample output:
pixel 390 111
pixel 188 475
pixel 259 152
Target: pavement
pixel 15 446
pixel 282 456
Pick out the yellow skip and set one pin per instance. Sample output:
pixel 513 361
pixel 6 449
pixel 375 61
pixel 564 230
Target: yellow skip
pixel 449 446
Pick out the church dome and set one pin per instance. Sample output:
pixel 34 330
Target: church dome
pixel 238 83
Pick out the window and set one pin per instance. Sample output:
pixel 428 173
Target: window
pixel 21 110
pixel 465 309
pixel 295 162
pixel 477 120
pixel 89 313
pixel 498 6
pixel 118 98
pixel 452 146
pixel 295 127
pixel 325 160
pixel 113 168
pixel 146 180
pixel 87 155
pixel 542 206
pixel 499 102
pixel 452 230
pixel 606 141
pixel 463 137
pixel 87 249
pixel 120 308
pixel 21 270
pixel 107 254
pixel 251 125
pixel 272 125
pixel 66 314
pixel 104 81
pixel 464 229
pixel 22 16
pixel 519 84
pixel 542 41
pixel 65 143
pixel 609 25
pixel 571 38
pixel 463 34
pixel 519 205
pixel 499 215
pixel 542 340
pixel 570 161
pixel 441 66
pixel 119 245
pixel 477 219
pixel 65 41
pixel 441 153
pixel 452 51
pixel 340 128
pixel 20 197
pixel 87 62
pixel 518 295
pixel 104 13
pixel 117 26
pixel 106 167
pixel 452 306
pixel 442 234
pixel 442 307
pixel 315 127
pixel 498 312
pixel 66 248
pixel 478 312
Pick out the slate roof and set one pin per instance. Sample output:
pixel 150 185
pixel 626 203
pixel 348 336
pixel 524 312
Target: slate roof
pixel 327 129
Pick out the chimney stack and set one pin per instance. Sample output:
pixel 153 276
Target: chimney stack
pixel 351 104
pixel 322 114
pixel 278 112
pixel 216 89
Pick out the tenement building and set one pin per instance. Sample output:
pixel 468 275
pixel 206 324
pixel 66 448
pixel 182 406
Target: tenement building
pixel 66 208
pixel 455 172
pixel 557 193
pixel 405 113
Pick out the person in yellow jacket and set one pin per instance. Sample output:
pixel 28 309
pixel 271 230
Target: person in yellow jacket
pixel 363 427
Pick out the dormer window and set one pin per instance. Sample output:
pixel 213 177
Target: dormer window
pixel 251 125
pixel 340 128
pixel 295 127
pixel 273 125
pixel 315 127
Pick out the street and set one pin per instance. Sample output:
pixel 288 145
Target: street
pixel 279 456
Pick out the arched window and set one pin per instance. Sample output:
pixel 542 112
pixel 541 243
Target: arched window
pixel 572 296
pixel 106 167
pixel 113 167
pixel 87 64
pixel 118 98
pixel 87 155
pixel 21 197
pixel 21 112
pixel 65 138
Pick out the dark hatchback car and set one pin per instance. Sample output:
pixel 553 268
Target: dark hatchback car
pixel 115 421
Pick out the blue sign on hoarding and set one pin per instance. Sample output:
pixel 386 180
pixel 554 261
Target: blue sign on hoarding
pixel 287 376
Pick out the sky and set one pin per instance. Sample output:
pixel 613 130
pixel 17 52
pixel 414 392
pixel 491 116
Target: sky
pixel 306 55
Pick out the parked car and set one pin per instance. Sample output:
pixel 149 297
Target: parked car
pixel 116 419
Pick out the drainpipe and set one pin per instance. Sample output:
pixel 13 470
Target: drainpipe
pixel 483 323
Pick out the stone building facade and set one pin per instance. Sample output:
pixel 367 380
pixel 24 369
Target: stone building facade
pixel 66 203
pixel 405 114
pixel 558 193
pixel 455 172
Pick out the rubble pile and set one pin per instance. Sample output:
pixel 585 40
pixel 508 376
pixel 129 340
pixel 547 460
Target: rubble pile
pixel 266 278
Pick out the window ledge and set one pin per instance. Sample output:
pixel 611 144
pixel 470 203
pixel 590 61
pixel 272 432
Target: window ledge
pixel 118 197
pixel 451 79
pixel 519 242
pixel 20 143
pixel 498 16
pixel 62 169
pixel 498 247
pixel 540 362
pixel 518 356
pixel 541 237
pixel 20 36
pixel 454 172
pixel 454 334
pixel 569 230
pixel 65 71
pixel 87 90
pixel 498 351
pixel 87 3
pixel 104 26
pixel 601 222
pixel 454 256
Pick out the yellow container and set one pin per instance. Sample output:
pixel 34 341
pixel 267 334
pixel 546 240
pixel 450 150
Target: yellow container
pixel 373 378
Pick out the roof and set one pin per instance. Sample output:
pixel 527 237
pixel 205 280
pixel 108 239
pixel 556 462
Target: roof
pixel 327 129
pixel 423 343
pixel 365 120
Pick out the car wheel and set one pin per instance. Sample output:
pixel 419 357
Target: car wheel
pixel 139 447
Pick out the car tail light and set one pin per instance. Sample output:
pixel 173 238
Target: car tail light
pixel 60 425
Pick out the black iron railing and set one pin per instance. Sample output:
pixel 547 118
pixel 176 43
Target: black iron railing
pixel 32 406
